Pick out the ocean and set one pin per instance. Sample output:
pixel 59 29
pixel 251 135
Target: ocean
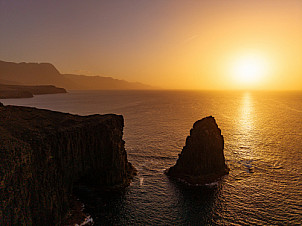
pixel 263 148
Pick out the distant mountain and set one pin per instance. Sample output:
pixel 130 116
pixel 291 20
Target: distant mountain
pixel 46 74
pixel 98 82
pixel 31 74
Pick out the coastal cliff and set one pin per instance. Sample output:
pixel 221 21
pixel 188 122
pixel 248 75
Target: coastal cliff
pixel 43 153
pixel 18 91
pixel 202 159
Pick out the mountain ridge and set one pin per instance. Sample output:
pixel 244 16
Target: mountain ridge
pixel 47 74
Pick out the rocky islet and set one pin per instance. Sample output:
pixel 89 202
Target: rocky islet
pixel 202 158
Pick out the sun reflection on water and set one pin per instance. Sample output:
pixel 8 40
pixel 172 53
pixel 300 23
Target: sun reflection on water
pixel 246 129
pixel 246 111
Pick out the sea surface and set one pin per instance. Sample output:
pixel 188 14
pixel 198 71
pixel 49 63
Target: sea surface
pixel 263 148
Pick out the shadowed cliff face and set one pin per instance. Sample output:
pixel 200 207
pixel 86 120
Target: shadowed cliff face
pixel 202 159
pixel 43 153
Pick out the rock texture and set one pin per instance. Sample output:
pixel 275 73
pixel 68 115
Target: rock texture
pixel 43 153
pixel 202 159
pixel 17 91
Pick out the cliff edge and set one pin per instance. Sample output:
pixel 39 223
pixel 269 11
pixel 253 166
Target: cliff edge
pixel 202 159
pixel 43 153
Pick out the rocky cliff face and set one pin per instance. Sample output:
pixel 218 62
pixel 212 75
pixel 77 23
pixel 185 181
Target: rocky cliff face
pixel 202 159
pixel 43 153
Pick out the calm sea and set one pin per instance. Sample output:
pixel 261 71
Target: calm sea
pixel 263 148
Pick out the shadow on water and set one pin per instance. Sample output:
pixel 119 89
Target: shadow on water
pixel 183 205
pixel 197 205
pixel 104 207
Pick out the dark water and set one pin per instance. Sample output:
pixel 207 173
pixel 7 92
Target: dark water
pixel 263 147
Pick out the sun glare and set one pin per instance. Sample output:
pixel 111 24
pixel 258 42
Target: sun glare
pixel 250 69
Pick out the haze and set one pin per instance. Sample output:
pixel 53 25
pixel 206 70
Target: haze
pixel 165 43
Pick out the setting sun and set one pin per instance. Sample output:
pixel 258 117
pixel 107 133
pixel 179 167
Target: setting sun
pixel 250 69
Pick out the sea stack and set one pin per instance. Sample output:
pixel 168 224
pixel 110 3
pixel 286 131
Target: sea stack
pixel 202 159
pixel 44 153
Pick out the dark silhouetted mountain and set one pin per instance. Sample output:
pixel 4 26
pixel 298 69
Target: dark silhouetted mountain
pixel 47 74
pixel 32 74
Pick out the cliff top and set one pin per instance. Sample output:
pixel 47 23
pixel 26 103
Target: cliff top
pixel 16 119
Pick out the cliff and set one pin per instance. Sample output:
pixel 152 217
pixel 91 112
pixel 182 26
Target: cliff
pixel 43 153
pixel 202 159
pixel 46 73
pixel 18 91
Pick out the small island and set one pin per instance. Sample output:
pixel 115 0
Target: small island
pixel 202 159
pixel 22 91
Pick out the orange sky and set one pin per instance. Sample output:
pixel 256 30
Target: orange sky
pixel 166 43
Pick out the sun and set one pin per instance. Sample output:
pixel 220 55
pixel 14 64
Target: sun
pixel 249 69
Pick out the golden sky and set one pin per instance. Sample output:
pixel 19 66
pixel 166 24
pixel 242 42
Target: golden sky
pixel 174 44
